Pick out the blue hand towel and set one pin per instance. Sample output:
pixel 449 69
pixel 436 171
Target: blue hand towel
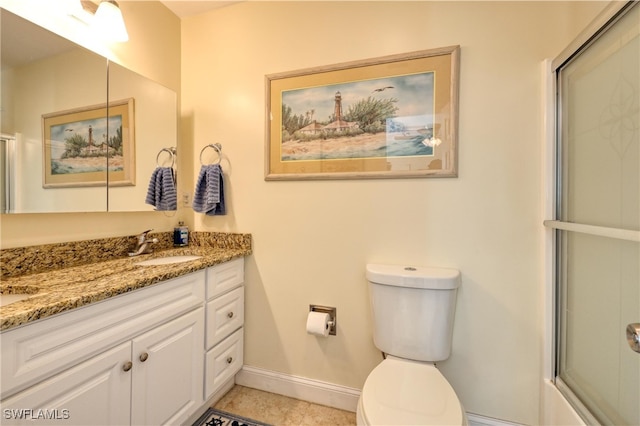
pixel 162 189
pixel 208 196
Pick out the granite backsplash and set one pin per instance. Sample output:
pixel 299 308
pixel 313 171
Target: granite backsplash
pixel 48 257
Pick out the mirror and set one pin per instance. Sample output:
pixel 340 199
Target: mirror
pixel 155 133
pixel 42 73
pixel 57 92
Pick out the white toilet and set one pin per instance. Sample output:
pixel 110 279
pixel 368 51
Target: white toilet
pixel 413 311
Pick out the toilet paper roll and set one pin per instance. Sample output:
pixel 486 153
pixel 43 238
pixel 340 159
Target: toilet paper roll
pixel 318 323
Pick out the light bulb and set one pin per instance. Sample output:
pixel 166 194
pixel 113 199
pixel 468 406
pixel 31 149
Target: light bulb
pixel 109 23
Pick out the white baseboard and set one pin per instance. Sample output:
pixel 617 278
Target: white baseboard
pixel 477 420
pixel 323 393
pixel 315 391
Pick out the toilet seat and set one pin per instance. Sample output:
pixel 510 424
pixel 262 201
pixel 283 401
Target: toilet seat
pixel 404 392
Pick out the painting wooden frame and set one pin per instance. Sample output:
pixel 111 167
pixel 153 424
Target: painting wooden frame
pixel 80 145
pixel 389 117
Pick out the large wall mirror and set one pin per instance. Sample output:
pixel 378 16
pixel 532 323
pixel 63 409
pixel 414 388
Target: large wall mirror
pixel 58 150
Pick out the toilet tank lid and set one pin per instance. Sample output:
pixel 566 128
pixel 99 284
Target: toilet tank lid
pixel 414 276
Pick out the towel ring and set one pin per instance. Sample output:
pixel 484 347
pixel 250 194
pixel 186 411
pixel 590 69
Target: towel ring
pixel 217 148
pixel 172 153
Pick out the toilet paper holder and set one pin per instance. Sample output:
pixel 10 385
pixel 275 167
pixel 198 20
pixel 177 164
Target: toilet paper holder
pixel 333 316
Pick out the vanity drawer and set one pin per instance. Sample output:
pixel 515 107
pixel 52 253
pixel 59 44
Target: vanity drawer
pixel 225 314
pixel 223 362
pixel 222 278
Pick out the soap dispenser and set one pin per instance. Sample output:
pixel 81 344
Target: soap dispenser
pixel 181 235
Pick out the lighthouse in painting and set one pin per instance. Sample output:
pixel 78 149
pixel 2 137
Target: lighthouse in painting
pixel 337 109
pixel 338 124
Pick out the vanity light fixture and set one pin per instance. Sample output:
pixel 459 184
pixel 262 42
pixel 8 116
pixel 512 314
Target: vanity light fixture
pixel 109 22
pixel 104 18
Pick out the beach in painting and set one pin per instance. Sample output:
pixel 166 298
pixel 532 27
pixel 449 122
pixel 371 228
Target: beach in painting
pixel 362 146
pixel 87 164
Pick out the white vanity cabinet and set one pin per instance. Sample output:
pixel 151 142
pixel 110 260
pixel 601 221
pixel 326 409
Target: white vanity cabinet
pixel 150 357
pixel 224 320
pixel 133 359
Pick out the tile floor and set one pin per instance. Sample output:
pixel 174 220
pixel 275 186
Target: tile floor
pixel 280 410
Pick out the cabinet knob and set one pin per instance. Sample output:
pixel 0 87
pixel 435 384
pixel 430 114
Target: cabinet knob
pixel 229 360
pixel 127 366
pixel 144 356
pixel 230 314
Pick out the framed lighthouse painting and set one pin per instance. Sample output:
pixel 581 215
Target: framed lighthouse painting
pixel 389 117
pixel 81 147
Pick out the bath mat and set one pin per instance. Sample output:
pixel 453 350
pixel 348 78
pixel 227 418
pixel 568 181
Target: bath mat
pixel 214 417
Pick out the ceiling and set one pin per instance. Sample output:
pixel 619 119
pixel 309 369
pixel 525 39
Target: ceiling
pixel 184 8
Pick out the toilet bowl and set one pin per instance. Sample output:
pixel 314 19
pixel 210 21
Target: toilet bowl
pixel 413 310
pixel 405 392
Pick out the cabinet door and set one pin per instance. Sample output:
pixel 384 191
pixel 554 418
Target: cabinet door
pixel 168 371
pixel 95 392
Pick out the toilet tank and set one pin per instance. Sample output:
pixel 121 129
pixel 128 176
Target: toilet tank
pixel 413 310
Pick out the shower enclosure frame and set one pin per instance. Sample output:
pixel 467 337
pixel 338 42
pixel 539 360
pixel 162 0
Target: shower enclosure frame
pixel 7 173
pixel 555 245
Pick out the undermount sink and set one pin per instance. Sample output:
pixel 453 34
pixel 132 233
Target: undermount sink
pixel 7 299
pixel 167 260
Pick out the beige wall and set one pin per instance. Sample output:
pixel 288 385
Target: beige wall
pixel 313 239
pixel 153 51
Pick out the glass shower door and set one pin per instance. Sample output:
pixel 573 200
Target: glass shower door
pixel 598 237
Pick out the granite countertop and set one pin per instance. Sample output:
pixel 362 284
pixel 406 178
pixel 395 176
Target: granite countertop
pixel 60 290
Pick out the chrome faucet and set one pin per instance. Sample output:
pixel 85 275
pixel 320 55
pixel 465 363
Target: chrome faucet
pixel 144 244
